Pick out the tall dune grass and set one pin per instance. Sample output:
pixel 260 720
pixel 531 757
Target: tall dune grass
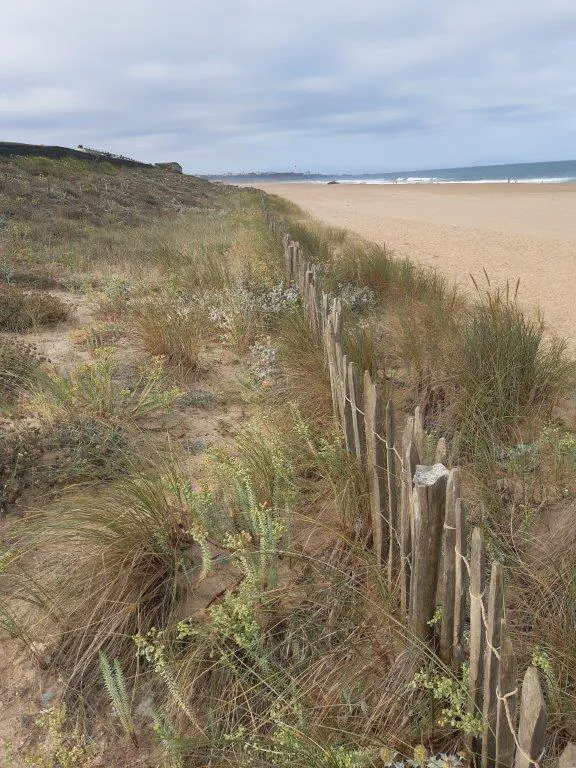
pixel 171 329
pixel 507 372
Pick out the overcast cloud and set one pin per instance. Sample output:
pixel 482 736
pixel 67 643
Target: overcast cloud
pixel 324 85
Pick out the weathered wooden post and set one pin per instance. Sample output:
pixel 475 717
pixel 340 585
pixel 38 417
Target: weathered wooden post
pixel 393 522
pixel 375 465
pixel 448 575
pixel 330 346
pixel 420 435
pixel 347 425
pixel 357 409
pixel 429 502
pixel 461 585
pixel 341 376
pixel 507 696
pixel 477 629
pixel 441 452
pixel 491 663
pixel 324 311
pixel 533 722
pixel 410 460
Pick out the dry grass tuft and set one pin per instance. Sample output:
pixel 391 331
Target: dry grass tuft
pixel 171 329
pixel 113 564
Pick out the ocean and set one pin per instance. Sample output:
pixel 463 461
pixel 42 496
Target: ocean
pixel 554 172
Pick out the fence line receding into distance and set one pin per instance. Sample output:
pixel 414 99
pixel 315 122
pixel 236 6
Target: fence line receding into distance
pixel 420 539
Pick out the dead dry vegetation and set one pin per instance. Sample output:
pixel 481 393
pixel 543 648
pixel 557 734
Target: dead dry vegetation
pixel 186 577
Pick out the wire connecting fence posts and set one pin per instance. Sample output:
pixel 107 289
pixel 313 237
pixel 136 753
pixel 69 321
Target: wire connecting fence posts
pixel 420 539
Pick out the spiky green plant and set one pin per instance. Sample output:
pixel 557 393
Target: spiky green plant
pixel 115 683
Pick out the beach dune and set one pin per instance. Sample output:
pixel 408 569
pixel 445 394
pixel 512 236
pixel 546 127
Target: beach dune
pixel 511 231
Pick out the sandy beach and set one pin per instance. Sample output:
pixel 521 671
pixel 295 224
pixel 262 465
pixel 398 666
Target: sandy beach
pixel 512 231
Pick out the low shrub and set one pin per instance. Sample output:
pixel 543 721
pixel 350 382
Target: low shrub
pixel 22 310
pixel 20 365
pixel 36 461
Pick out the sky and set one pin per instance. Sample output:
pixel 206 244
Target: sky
pixel 306 85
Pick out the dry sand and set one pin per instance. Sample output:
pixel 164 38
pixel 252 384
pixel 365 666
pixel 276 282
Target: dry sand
pixel 525 231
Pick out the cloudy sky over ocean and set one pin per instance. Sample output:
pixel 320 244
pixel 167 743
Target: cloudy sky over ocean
pixel 323 85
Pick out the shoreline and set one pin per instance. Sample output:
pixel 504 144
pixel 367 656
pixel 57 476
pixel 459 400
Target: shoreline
pixel 512 231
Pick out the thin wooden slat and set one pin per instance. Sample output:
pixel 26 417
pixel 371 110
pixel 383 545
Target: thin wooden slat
pixel 420 434
pixel 533 722
pixel 507 701
pixel 392 482
pixel 305 270
pixel 441 452
pixel 429 502
pixel 347 425
pixel 290 261
pixel 375 466
pixel 324 310
pixel 461 585
pixel 477 629
pixel 357 409
pixel 406 474
pixel 447 580
pixel 491 662
pixel 340 382
pixel 316 307
pixel 337 319
pixel 332 368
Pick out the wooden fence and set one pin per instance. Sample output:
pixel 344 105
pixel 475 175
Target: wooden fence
pixel 420 538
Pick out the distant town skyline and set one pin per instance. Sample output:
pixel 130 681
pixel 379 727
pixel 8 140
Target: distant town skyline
pixel 325 87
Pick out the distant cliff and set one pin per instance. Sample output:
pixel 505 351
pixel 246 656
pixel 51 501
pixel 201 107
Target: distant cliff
pixel 12 148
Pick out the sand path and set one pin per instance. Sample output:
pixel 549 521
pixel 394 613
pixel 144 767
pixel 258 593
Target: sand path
pixel 510 230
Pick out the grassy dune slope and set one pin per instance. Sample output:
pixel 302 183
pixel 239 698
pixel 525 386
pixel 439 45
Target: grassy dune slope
pixel 184 536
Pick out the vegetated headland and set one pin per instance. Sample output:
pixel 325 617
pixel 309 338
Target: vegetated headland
pixel 188 569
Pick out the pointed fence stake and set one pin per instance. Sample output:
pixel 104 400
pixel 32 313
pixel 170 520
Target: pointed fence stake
pixel 447 579
pixel 357 410
pixel 461 585
pixel 507 701
pixel 491 663
pixel 533 722
pixel 391 475
pixel 375 466
pixel 429 508
pixel 477 630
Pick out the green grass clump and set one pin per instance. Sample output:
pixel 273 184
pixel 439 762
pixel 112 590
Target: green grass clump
pixel 22 310
pixel 303 377
pixel 507 372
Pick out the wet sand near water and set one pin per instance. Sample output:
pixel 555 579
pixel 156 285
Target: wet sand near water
pixel 512 231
